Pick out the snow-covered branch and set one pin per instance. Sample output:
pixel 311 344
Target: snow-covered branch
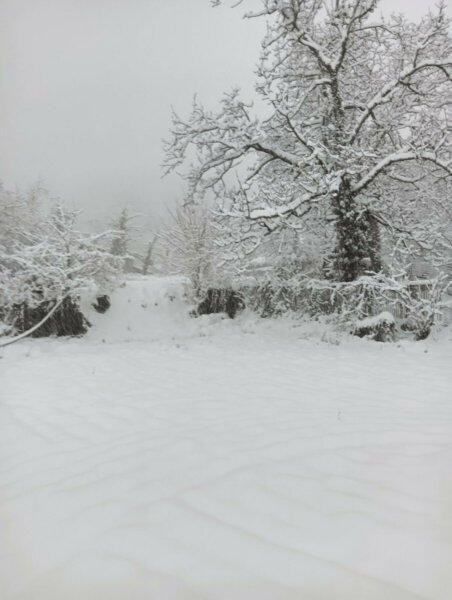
pixel 396 158
pixel 357 115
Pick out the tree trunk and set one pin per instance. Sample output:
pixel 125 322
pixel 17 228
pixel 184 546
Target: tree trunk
pixel 358 248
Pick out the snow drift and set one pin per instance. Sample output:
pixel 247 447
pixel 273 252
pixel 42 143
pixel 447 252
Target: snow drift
pixel 142 309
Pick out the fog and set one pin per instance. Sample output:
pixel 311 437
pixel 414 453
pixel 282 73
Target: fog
pixel 86 88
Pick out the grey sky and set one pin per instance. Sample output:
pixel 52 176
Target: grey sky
pixel 86 88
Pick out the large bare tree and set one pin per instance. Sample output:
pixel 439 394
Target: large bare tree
pixel 354 112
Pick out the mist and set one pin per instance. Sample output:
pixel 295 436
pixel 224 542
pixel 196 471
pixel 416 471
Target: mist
pixel 87 86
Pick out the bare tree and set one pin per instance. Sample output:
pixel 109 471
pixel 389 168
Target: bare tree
pixel 187 244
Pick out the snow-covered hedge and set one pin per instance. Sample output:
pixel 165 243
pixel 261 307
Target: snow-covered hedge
pixel 417 305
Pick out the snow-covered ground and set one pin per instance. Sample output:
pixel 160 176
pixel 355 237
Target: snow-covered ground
pixel 164 458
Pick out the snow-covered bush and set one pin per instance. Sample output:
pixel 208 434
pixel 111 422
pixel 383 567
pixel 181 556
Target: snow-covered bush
pixel 49 264
pixel 276 297
pixel 420 304
pixel 423 305
pixel 380 328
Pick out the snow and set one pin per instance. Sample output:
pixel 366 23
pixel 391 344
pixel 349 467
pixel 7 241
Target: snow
pixel 142 309
pixel 380 319
pixel 223 459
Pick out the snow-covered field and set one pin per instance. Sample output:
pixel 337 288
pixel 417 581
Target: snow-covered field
pixel 164 458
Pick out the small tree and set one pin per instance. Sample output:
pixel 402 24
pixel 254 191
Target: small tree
pixel 187 245
pixel 52 264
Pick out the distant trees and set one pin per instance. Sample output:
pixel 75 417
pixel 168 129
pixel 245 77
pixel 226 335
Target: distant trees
pixel 133 241
pixel 356 129
pixel 148 260
pixel 123 233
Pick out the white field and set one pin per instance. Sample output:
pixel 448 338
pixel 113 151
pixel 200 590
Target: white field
pixel 218 459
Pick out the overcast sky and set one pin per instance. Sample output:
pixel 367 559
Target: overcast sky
pixel 86 88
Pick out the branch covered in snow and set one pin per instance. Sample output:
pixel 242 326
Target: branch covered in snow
pixel 351 110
